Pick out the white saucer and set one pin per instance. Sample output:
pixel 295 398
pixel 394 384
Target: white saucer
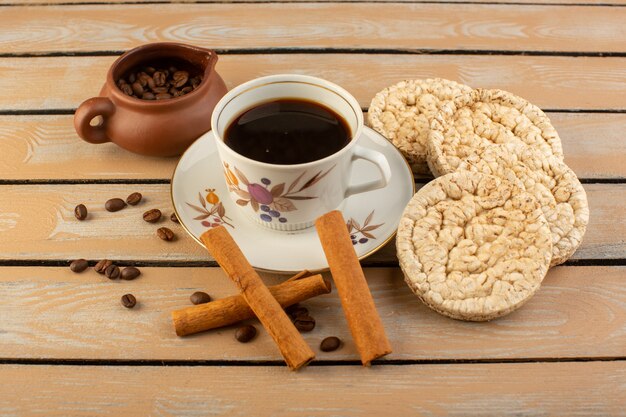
pixel 373 215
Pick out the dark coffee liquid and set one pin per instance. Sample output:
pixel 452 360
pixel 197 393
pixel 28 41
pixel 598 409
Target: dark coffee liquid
pixel 287 132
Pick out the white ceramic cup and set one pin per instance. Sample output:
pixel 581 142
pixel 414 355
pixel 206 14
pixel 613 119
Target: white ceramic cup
pixel 291 197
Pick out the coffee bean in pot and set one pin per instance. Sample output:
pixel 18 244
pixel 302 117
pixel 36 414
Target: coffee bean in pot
pixel 186 90
pixel 165 234
pixel 102 265
pixel 160 90
pixel 148 96
pixel 330 344
pixel 129 273
pixel 129 300
pixel 79 265
pixel 134 199
pixel 149 70
pixel 159 78
pixel 127 89
pixel 152 216
pixel 163 96
pixel 180 78
pixel 304 323
pixel 132 78
pixel 80 211
pixel 137 88
pixel 246 333
pixel 112 272
pixel 114 204
pixel 200 297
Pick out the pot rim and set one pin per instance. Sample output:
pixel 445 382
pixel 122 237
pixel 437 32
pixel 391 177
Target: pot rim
pixel 164 47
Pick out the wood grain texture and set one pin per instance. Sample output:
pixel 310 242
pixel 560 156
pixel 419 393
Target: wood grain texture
pixel 535 389
pixel 37 222
pixel 49 312
pixel 547 81
pixel 47 147
pixel 314 25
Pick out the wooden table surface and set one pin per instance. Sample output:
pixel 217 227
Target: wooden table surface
pixel 67 346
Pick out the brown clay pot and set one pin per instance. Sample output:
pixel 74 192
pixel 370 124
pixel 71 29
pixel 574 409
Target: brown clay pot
pixel 153 127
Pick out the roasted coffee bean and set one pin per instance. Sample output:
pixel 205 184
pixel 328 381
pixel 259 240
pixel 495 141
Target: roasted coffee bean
pixel 160 90
pixel 165 234
pixel 142 79
pixel 149 70
pixel 297 312
pixel 79 265
pixel 174 92
pixel 115 204
pixel 80 211
pixel 129 300
pixel 186 90
pixel 304 323
pixel 330 344
pixel 180 78
pixel 195 81
pixel 200 297
pixel 112 272
pixel 137 88
pixel 163 96
pixel 246 333
pixel 159 78
pixel 102 265
pixel 132 78
pixel 134 199
pixel 127 89
pixel 148 96
pixel 174 218
pixel 129 273
pixel 172 69
pixel 152 216
pixel 121 82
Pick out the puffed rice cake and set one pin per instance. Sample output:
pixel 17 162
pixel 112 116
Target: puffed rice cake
pixel 555 186
pixel 473 246
pixel 403 111
pixel 481 118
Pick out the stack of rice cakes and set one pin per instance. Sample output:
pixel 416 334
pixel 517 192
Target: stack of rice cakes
pixel 476 243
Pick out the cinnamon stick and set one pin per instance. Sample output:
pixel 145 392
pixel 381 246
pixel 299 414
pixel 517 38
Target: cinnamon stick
pixel 357 302
pixel 290 342
pixel 234 309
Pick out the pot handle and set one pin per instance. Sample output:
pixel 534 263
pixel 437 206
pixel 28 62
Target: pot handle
pixel 90 108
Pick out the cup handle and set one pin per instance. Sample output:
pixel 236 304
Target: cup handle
pixel 95 106
pixel 381 163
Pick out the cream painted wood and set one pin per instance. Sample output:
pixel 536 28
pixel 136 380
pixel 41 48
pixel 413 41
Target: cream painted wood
pixel 547 81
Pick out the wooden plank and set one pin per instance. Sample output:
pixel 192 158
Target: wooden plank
pixel 47 147
pixel 516 389
pixel 316 25
pixel 548 81
pixel 37 222
pixel 580 312
pixel 599 3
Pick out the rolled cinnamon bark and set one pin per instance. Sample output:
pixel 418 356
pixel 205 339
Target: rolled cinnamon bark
pixel 234 309
pixel 357 302
pixel 290 342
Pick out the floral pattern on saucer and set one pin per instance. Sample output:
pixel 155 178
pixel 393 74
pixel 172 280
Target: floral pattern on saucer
pixel 355 229
pixel 272 200
pixel 213 215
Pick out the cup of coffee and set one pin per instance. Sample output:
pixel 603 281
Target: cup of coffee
pixel 287 144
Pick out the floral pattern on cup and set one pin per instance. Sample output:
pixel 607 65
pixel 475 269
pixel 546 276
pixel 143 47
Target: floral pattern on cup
pixel 272 200
pixel 362 234
pixel 212 214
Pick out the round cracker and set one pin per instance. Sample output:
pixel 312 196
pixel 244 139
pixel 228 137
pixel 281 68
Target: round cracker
pixel 473 246
pixel 555 186
pixel 403 112
pixel 483 118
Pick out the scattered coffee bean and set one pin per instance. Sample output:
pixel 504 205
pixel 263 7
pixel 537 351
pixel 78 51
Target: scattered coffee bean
pixel 129 273
pixel 330 344
pixel 296 311
pixel 80 211
pixel 200 297
pixel 129 300
pixel 246 333
pixel 79 265
pixel 102 265
pixel 150 83
pixel 152 216
pixel 115 204
pixel 165 233
pixel 134 199
pixel 304 323
pixel 112 272
pixel 174 218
